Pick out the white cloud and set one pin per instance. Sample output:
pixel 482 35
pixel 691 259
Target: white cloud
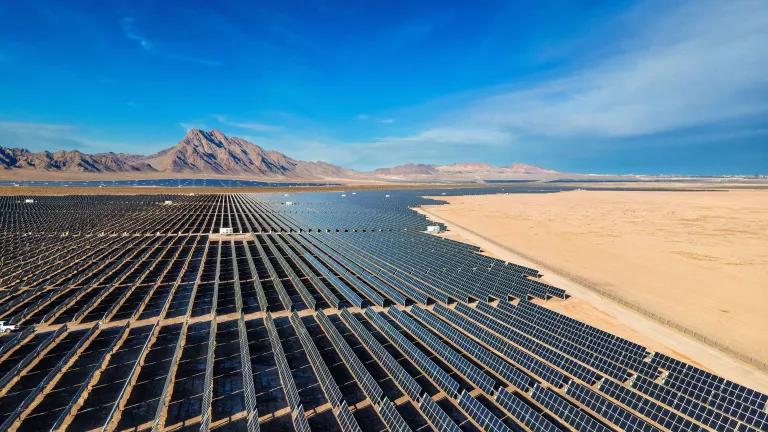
pixel 679 67
pixel 52 137
pixel 196 60
pixel 129 30
pixel 704 63
pixel 254 126
pixel 382 120
pixel 676 67
pixel 37 136
pixel 192 125
pixel 437 145
pixel 456 135
pixel 127 24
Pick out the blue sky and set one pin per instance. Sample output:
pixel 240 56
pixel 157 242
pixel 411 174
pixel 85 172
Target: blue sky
pixel 604 87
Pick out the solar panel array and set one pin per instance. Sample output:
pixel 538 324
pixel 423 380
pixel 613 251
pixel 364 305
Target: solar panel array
pixel 337 312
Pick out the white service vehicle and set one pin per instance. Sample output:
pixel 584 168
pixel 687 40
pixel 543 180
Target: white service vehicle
pixel 6 328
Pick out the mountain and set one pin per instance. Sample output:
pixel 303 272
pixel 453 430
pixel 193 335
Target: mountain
pixel 407 170
pixel 463 167
pixel 212 153
pixel 462 171
pixel 198 153
pixel 521 168
pixel 72 161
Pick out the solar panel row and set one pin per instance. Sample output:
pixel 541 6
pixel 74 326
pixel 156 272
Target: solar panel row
pixel 502 365
pixel 437 375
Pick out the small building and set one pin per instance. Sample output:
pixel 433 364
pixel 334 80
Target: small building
pixel 226 231
pixel 434 229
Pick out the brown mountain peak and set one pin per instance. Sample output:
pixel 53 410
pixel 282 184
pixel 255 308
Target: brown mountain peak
pixel 213 152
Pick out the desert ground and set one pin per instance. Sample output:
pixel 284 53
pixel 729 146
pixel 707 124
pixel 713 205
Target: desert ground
pixel 682 272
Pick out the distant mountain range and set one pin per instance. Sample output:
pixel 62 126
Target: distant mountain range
pixel 461 168
pixel 212 153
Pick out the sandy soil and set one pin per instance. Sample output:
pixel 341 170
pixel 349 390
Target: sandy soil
pixel 685 273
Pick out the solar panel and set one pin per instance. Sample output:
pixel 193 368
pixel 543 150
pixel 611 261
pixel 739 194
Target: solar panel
pixel 361 374
pixel 648 408
pixel 299 420
pixel 522 366
pixel 480 414
pixel 692 408
pixel 437 375
pixel 391 417
pixel 495 321
pixel 607 409
pixel 331 390
pixel 326 293
pixel 523 413
pixel 737 401
pixel 464 367
pixel 283 370
pixel 306 297
pixel 372 295
pixel 585 340
pixel 495 363
pixel 382 356
pixel 347 292
pixel 249 392
pixel 208 383
pixel 436 416
pixel 345 418
pixel 503 347
pixel 569 413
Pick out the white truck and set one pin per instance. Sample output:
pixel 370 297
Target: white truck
pixel 6 328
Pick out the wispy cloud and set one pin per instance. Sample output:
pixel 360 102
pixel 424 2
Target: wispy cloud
pixel 128 26
pixel 382 120
pixel 253 126
pixel 196 60
pixel 129 30
pixel 664 78
pixel 436 145
pixel 704 64
pixel 443 136
pixel 51 136
pixel 192 125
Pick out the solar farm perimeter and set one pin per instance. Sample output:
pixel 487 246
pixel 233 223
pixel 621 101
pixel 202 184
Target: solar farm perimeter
pixel 336 312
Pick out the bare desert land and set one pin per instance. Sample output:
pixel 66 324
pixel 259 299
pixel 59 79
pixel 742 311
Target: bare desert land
pixel 694 261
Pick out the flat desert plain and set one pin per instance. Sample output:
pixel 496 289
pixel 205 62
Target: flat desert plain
pixel 696 262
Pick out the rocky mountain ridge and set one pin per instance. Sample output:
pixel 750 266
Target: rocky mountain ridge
pixel 212 153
